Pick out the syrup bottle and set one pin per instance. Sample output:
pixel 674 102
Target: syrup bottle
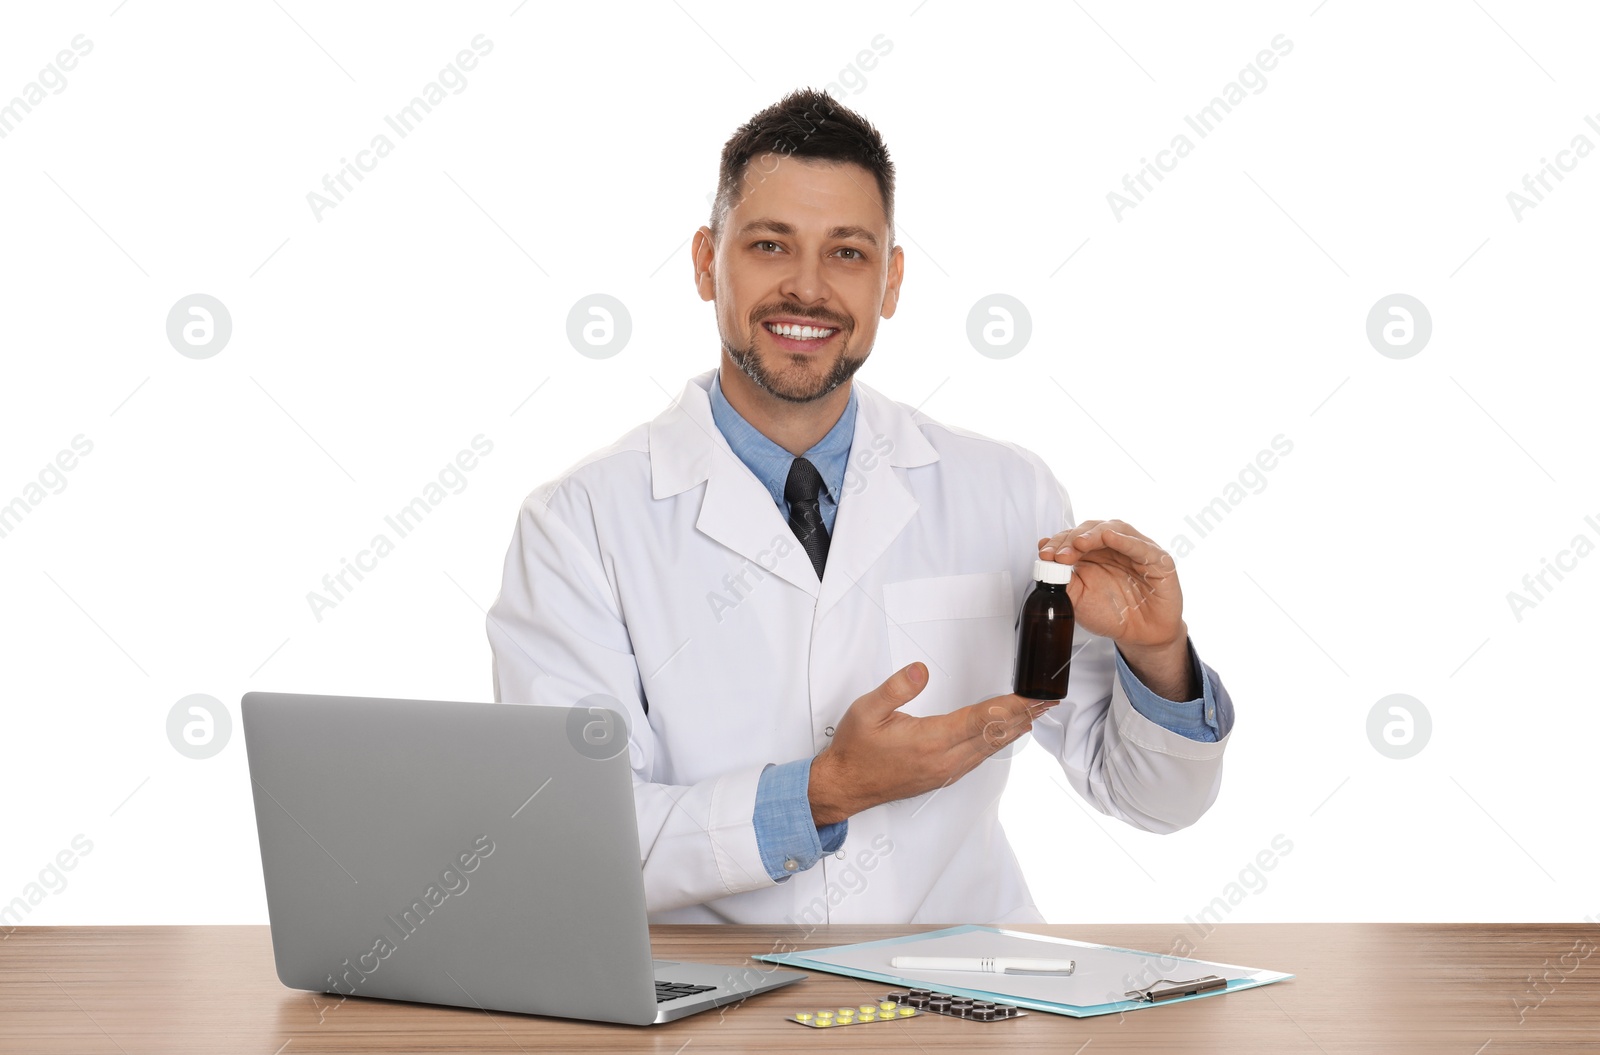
pixel 1044 635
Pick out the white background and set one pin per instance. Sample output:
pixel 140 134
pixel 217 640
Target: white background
pixel 1168 347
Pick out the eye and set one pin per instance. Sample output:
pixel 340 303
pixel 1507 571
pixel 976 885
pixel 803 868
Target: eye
pixel 850 253
pixel 766 246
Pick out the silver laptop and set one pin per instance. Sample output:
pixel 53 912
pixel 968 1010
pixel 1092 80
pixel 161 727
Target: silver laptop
pixel 474 854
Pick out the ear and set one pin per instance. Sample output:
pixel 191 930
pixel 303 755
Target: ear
pixel 891 292
pixel 704 252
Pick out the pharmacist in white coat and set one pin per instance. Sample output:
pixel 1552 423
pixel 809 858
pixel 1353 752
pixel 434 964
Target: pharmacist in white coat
pixel 802 594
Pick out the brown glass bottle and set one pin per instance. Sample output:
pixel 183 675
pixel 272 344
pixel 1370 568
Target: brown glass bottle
pixel 1044 635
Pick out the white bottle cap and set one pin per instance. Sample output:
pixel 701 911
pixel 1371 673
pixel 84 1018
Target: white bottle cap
pixel 1052 571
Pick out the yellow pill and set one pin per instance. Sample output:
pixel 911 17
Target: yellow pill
pixel 846 1012
pixel 888 1005
pixel 803 1016
pixel 824 1014
pixel 867 1007
pixel 907 1012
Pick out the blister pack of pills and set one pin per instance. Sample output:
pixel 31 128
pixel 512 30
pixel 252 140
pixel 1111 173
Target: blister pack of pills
pixel 882 1011
pixel 909 1004
pixel 954 1006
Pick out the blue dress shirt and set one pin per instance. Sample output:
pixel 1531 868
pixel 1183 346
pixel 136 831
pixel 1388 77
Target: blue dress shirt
pixel 770 463
pixel 787 837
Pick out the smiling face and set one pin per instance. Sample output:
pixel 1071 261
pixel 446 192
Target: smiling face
pixel 801 269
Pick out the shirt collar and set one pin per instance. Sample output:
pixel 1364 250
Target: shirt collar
pixel 769 462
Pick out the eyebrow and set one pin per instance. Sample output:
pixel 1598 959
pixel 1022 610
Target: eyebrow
pixel 842 231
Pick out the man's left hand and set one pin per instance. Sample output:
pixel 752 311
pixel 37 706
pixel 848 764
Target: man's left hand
pixel 1125 587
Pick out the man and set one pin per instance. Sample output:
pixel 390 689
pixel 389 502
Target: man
pixel 734 575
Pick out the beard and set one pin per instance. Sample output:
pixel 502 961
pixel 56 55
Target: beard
pixel 794 378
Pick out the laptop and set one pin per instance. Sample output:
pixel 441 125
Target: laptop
pixel 478 855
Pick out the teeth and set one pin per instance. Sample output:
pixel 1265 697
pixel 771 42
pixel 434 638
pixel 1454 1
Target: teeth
pixel 802 333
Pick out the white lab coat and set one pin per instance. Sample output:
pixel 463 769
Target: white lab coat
pixel 659 568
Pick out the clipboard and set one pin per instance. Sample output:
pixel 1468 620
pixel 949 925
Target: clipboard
pixel 1108 979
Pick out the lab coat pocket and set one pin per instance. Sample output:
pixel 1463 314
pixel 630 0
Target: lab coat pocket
pixel 962 627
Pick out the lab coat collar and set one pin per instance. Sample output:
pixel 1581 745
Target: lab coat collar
pixel 686 447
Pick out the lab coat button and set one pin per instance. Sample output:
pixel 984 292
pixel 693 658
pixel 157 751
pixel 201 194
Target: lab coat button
pixel 828 731
pixel 791 865
pixel 839 854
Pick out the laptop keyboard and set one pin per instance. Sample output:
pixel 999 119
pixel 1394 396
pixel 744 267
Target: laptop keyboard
pixel 673 990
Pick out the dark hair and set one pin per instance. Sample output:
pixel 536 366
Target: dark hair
pixel 804 124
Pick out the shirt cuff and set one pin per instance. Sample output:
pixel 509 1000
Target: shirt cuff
pixel 788 839
pixel 1206 719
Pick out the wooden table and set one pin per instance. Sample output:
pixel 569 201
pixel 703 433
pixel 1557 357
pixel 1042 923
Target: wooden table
pixel 1460 988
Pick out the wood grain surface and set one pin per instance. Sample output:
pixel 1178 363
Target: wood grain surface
pixel 1469 989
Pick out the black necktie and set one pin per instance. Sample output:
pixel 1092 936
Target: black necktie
pixel 805 513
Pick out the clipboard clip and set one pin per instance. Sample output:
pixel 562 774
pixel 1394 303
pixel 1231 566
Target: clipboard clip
pixel 1166 988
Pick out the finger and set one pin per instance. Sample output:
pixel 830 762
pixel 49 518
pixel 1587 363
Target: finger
pixel 994 736
pixel 1060 544
pixel 1106 535
pixel 1128 529
pixel 982 720
pixel 1002 734
pixel 963 756
pixel 1110 559
pixel 1136 547
pixel 899 689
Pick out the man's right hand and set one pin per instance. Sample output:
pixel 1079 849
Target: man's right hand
pixel 879 755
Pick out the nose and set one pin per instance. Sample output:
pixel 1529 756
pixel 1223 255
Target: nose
pixel 804 283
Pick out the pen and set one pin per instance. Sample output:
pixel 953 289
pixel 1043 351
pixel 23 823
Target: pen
pixel 983 965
